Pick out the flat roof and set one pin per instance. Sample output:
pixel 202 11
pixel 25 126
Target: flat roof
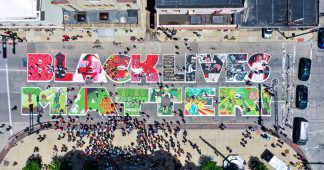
pixel 199 3
pixel 276 13
pixel 276 163
pixel 114 16
pixel 11 10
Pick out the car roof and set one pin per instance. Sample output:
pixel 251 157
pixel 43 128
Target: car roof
pixel 306 60
pixel 301 87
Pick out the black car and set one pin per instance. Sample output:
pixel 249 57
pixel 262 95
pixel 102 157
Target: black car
pixel 301 97
pixel 320 38
pixel 304 69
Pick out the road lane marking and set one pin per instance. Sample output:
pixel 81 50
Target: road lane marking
pixel 1 69
pixel 8 93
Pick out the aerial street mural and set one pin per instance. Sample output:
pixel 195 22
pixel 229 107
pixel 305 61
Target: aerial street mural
pixel 245 99
pixel 34 99
pixel 89 69
pixel 93 99
pixel 165 99
pixel 211 66
pixel 132 99
pixel 199 101
pixel 236 70
pixel 116 68
pixel 259 69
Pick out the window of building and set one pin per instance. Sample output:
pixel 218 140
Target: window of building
pixel 103 16
pixel 164 10
pixel 176 10
pixel 81 17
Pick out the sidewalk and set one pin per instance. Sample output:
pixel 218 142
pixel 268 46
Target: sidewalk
pixel 217 138
pixel 239 35
pixel 140 32
pixel 125 34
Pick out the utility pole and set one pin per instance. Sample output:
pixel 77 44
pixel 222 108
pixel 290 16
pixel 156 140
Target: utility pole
pixel 31 118
pixel 274 83
pixel 260 105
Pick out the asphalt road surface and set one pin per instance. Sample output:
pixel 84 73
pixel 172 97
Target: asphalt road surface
pixel 283 55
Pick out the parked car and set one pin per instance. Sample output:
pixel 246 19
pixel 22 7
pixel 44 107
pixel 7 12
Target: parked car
pixel 320 38
pixel 266 33
pixel 301 97
pixel 304 69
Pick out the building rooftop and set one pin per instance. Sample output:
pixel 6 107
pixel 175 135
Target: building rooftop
pixel 93 17
pixel 14 10
pixel 277 13
pixel 202 19
pixel 199 3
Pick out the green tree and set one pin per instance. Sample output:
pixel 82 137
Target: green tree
pixel 32 165
pixel 204 159
pixel 90 164
pixel 34 162
pixel 211 165
pixel 60 162
pixel 256 164
pixel 261 166
pixel 55 164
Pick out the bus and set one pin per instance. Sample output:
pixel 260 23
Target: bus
pixel 300 131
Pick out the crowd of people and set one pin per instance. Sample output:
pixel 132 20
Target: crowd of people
pixel 96 139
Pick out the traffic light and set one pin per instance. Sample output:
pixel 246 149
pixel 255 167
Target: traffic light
pixel 4 39
pixel 14 47
pixel 13 36
pixel 4 46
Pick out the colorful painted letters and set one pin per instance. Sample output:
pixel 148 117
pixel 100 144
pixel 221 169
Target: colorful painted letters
pixel 239 68
pixel 198 101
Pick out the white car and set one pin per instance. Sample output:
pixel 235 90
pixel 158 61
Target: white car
pixel 266 33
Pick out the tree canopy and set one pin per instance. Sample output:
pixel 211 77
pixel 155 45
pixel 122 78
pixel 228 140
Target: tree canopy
pixel 211 165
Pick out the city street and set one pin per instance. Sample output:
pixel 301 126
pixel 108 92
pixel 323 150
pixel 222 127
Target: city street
pixel 283 55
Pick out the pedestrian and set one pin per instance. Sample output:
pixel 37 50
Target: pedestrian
pixel 14 108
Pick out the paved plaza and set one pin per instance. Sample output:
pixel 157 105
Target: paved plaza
pixel 214 144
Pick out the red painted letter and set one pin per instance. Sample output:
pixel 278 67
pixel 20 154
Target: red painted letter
pixel 146 68
pixel 40 67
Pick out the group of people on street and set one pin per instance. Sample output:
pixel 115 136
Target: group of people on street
pixel 96 139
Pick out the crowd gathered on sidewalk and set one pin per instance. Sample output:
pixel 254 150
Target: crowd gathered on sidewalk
pixel 97 139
